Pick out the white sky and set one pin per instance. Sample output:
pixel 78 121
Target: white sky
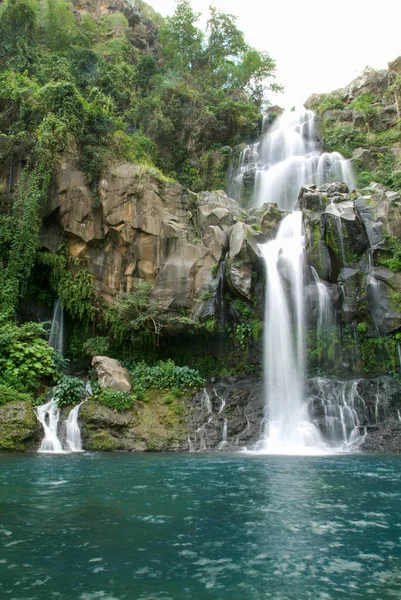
pixel 318 45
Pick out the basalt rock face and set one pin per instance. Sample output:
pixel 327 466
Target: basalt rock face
pixel 228 415
pixel 143 228
pixel 347 245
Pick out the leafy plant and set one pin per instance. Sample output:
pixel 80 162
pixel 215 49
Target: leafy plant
pixel 119 401
pixel 165 376
pixel 69 390
pixel 26 360
pixel 9 394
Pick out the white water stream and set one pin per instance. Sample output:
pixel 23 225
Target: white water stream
pixel 49 416
pixel 56 338
pixel 288 159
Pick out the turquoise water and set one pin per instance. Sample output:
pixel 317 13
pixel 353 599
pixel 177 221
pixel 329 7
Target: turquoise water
pixel 199 527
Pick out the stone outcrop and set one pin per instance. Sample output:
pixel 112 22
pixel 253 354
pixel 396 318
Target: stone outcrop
pixel 19 428
pixel 346 244
pixel 111 374
pixel 143 228
pixel 230 408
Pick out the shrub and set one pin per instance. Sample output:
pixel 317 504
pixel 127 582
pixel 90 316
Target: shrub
pixel 166 376
pixel 8 394
pixel 116 400
pixel 342 138
pixel 26 360
pixel 69 390
pixel 97 346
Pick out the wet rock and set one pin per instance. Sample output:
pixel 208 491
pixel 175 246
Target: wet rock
pixel 380 211
pixel 383 294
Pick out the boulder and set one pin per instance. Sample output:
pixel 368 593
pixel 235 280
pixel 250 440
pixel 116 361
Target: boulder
pixel 20 429
pixel 111 374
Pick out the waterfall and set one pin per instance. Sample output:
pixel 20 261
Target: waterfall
pixel 56 338
pixel 341 412
pixel 72 431
pixel 289 159
pixel 48 415
pixel 206 402
pixel 325 312
pixel 289 429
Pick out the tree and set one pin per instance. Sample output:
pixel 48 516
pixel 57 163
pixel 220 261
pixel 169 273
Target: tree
pixel 182 41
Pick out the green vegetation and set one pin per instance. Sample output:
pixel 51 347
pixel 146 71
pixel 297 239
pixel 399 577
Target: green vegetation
pixel 352 350
pixel 366 131
pixel 326 102
pixel 391 257
pixel 165 376
pixel 69 390
pixel 26 360
pixel 8 394
pixel 70 81
pixel 115 399
pixel 342 138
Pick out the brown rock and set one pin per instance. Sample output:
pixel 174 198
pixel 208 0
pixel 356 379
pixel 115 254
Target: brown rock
pixel 112 374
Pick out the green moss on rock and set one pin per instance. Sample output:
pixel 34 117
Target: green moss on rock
pixel 154 425
pixel 19 427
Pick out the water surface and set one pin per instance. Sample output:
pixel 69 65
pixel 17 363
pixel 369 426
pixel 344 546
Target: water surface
pixel 199 527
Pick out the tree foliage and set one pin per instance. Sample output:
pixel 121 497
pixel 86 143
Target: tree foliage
pixel 164 93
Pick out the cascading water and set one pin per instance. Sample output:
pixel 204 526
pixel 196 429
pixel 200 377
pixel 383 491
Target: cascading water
pixel 56 338
pixel 72 431
pixel 288 159
pixel 289 429
pixel 48 415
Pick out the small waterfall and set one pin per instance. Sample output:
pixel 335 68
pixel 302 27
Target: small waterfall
pixel 399 354
pixel 206 402
pixel 245 173
pixel 48 415
pixel 56 338
pixel 72 431
pixel 336 210
pixel 225 431
pixel 325 312
pixel 222 400
pixel 341 413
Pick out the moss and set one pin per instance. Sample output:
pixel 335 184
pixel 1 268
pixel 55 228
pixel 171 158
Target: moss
pixel 102 440
pixel 154 425
pixel 19 427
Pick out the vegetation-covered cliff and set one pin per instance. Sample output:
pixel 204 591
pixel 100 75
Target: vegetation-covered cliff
pixel 110 115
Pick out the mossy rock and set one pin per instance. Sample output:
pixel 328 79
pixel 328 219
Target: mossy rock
pixel 158 424
pixel 19 428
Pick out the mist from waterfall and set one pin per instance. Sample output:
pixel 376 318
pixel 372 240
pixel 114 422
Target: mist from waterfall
pixel 288 158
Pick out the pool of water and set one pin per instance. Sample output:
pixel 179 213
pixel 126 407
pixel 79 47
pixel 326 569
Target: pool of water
pixel 199 527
